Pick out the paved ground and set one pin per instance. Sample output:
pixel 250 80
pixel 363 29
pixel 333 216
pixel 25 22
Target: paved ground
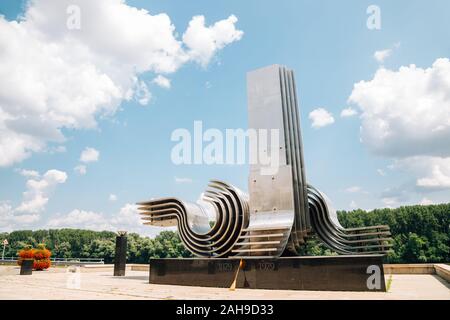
pixel 57 283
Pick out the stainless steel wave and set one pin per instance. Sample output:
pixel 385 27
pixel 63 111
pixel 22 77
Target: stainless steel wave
pixel 232 213
pixel 366 240
pixel 282 209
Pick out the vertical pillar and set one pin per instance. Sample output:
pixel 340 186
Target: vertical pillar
pixel 120 258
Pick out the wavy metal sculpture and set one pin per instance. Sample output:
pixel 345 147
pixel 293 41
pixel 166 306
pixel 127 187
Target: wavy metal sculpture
pixel 232 215
pixel 282 209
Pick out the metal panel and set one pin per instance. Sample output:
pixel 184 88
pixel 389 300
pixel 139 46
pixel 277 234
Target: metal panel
pixel 264 101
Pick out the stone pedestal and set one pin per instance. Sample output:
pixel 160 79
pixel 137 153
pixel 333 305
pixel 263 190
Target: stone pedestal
pixel 26 268
pixel 120 258
pixel 331 273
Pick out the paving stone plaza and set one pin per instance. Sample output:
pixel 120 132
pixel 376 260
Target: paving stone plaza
pixel 101 284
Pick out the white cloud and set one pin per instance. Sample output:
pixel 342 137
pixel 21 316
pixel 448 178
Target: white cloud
pixel 381 172
pixel 426 202
pixel 203 42
pixel 112 197
pixel 89 155
pixel 81 170
pixel 9 219
pixel 406 117
pixel 353 189
pixel 353 205
pixel 433 173
pixel 53 78
pixel 381 55
pixel 391 166
pixel 320 118
pixel 57 149
pixel 396 195
pixel 406 112
pixel 127 218
pixel 80 219
pixel 183 180
pixel 438 179
pixel 390 202
pixel 162 81
pixel 348 112
pixel 35 198
pixel 29 173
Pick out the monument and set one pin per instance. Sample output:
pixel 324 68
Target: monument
pixel 263 232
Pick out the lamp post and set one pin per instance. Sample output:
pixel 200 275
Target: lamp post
pixel 5 243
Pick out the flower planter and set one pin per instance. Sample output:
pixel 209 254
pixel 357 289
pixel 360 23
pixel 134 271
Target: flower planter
pixel 26 267
pixel 40 257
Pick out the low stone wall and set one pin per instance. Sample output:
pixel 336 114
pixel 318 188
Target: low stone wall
pixel 440 269
pixel 443 271
pixel 411 268
pixel 110 267
pixel 140 267
pixel 97 268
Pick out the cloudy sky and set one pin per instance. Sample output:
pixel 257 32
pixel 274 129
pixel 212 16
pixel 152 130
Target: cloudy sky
pixel 90 92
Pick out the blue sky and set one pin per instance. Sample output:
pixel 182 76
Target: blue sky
pixel 330 48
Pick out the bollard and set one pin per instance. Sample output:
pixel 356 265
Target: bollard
pixel 120 258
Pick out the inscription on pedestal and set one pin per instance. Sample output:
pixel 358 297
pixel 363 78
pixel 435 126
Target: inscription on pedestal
pixel 224 267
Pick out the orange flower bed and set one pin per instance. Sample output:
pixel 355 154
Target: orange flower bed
pixel 41 264
pixel 26 254
pixel 42 254
pixel 41 257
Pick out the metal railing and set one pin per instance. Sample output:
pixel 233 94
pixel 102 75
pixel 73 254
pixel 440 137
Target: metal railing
pixel 63 261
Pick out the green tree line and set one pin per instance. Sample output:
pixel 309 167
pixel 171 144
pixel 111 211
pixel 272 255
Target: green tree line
pixel 420 233
pixel 77 243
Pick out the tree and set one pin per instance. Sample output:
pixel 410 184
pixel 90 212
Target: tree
pixel 63 250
